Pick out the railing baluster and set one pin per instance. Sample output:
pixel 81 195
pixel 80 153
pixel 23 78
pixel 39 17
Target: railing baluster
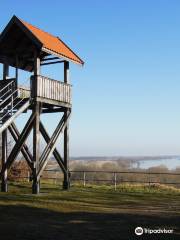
pixel 53 89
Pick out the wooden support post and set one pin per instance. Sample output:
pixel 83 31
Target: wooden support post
pixel 4 184
pixel 66 182
pixel 37 63
pixel 56 154
pixel 5 71
pixel 16 73
pixel 18 146
pixel 49 149
pixel 25 151
pixel 36 132
pixel 36 149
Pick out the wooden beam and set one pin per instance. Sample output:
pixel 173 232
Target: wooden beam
pixel 4 184
pixel 49 63
pixel 36 64
pixel 36 148
pixel 19 144
pixel 66 182
pixel 5 71
pixel 66 72
pixel 17 63
pixel 36 132
pixel 25 151
pixel 49 59
pixel 53 102
pixel 15 115
pixel 34 78
pixel 55 152
pixel 51 144
pixel 59 55
pixel 53 110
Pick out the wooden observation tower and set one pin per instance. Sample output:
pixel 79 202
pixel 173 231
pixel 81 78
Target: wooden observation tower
pixel 26 47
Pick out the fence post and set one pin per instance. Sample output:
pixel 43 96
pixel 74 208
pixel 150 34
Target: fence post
pixel 84 179
pixel 28 176
pixel 149 176
pixel 115 181
pixel 55 180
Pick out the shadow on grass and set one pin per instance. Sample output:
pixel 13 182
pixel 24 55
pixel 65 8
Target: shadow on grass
pixel 20 222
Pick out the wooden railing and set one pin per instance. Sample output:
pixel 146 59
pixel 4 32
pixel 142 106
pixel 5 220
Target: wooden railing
pixel 52 89
pixel 23 92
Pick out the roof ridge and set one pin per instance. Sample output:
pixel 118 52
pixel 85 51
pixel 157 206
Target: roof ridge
pixel 38 28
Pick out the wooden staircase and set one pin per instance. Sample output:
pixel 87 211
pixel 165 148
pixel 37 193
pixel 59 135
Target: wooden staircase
pixel 11 106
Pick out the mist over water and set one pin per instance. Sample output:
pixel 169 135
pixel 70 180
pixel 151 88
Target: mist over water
pixel 170 163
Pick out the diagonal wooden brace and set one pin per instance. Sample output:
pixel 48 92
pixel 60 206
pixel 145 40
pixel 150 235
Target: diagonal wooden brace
pixel 52 144
pixel 55 152
pixel 19 144
pixel 25 151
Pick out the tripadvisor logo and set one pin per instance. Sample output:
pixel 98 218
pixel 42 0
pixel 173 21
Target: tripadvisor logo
pixel 139 231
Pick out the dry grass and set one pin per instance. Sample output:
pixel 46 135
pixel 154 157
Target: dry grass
pixel 86 213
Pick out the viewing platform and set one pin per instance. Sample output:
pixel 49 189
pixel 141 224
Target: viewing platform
pixel 50 91
pixel 47 90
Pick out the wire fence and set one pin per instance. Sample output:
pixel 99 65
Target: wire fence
pixel 113 178
pixel 132 177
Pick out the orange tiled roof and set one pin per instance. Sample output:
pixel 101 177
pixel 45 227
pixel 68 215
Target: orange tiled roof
pixel 53 43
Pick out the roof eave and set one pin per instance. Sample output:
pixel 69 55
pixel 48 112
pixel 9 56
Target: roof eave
pixel 44 49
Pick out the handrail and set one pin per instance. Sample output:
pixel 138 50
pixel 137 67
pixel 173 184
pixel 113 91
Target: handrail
pixel 6 86
pixel 9 103
pixel 6 93
pixel 8 97
pixel 53 80
pixel 12 108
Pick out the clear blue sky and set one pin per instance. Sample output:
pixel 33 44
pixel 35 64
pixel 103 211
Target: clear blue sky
pixel 126 99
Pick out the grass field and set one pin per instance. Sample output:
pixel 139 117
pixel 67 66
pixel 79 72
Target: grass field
pixel 88 213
